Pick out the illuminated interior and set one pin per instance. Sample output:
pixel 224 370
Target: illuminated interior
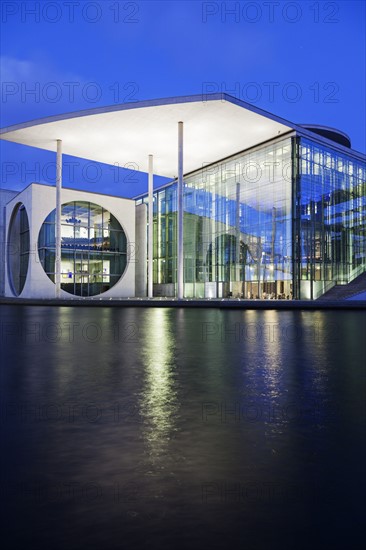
pixel 93 248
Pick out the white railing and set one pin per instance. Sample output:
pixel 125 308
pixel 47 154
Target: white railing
pixel 356 272
pixel 327 285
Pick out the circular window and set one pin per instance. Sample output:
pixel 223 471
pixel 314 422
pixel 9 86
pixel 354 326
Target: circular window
pixel 18 249
pixel 93 248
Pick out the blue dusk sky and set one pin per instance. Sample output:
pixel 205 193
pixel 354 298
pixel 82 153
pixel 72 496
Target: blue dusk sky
pixel 303 61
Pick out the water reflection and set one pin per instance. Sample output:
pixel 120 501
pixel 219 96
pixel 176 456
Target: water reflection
pixel 158 405
pixel 272 348
pixel 223 398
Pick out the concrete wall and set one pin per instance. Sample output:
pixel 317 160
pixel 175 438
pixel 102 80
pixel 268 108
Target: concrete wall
pixel 39 201
pixel 141 250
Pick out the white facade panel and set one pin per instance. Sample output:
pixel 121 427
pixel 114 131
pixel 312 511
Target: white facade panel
pixel 40 201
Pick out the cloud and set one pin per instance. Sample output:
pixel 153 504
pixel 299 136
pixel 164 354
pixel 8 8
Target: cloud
pixel 26 70
pixel 15 70
pixel 32 88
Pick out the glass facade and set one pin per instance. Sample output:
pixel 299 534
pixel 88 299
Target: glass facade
pixel 24 247
pixel 331 218
pixel 284 220
pixel 18 249
pixel 237 227
pixel 93 248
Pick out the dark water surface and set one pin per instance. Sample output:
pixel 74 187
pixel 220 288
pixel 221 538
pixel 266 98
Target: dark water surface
pixel 180 428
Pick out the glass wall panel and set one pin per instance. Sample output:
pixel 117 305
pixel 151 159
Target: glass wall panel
pixel 18 249
pixel 237 227
pixel 332 212
pixel 24 247
pixel 93 248
pixel 284 220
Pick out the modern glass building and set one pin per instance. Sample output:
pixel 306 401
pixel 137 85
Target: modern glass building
pixel 280 213
pixel 283 220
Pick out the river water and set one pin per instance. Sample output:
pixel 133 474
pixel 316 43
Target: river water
pixel 134 428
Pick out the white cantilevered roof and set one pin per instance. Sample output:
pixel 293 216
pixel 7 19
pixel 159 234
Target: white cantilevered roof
pixel 215 126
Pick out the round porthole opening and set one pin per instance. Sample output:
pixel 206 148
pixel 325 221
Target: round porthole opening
pixel 18 246
pixel 93 248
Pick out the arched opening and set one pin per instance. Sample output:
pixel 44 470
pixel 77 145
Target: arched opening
pixel 18 246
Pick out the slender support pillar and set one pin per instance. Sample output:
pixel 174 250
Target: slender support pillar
pixel 180 285
pixel 58 218
pixel 150 244
pixel 237 235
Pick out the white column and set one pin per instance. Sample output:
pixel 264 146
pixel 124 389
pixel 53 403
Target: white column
pixel 180 284
pixel 150 244
pixel 58 218
pixel 237 234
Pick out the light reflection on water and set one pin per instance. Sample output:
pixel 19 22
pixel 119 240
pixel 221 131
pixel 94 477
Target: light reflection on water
pixel 201 428
pixel 158 401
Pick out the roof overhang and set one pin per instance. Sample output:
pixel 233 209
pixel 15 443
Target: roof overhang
pixel 215 126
